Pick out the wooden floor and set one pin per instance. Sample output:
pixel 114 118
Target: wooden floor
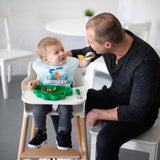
pixel 11 112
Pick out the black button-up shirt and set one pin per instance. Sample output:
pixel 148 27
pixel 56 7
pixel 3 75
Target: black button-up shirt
pixel 135 80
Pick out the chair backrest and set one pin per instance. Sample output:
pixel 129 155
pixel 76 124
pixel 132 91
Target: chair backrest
pixel 4 28
pixel 140 29
pixel 158 51
pixel 78 78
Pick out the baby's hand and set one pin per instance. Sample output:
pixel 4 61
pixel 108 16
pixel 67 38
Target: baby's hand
pixel 85 62
pixel 32 84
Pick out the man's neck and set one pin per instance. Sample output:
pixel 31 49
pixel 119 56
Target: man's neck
pixel 122 48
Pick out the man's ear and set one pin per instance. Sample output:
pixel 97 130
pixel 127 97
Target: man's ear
pixel 108 44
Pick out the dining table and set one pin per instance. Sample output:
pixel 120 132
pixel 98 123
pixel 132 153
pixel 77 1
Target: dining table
pixel 68 26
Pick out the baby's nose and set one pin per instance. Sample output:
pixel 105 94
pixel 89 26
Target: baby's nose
pixel 62 53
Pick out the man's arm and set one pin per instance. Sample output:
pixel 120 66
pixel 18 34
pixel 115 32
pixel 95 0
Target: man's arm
pixel 143 95
pixel 69 53
pixel 96 115
pixel 83 51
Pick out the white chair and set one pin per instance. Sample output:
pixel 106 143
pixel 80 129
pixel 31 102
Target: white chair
pixel 140 29
pixel 29 99
pixel 146 142
pixel 8 55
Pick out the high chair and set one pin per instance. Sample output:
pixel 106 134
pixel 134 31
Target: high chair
pixel 29 99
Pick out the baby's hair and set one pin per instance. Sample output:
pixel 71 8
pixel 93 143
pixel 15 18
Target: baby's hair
pixel 41 47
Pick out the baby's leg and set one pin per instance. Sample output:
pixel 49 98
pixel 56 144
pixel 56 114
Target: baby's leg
pixel 64 129
pixel 65 116
pixel 40 112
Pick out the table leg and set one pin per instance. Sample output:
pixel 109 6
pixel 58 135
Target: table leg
pixel 4 81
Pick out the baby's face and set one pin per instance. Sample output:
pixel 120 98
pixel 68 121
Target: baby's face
pixel 55 55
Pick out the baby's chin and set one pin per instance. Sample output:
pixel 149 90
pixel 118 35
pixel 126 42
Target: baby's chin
pixel 63 60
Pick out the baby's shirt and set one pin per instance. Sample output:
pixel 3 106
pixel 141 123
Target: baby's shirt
pixel 56 75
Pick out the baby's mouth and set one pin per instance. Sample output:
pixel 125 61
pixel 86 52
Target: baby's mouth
pixel 62 58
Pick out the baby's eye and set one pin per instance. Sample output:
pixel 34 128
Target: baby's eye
pixel 62 50
pixel 57 52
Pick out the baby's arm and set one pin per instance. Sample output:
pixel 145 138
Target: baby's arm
pixel 86 61
pixel 33 83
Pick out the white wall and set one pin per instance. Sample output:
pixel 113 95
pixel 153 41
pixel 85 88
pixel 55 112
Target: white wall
pixel 140 11
pixel 28 18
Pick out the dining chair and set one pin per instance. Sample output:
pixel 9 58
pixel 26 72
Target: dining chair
pixel 8 55
pixel 50 152
pixel 146 142
pixel 140 29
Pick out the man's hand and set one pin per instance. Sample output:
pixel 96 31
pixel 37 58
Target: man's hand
pixel 92 118
pixel 95 116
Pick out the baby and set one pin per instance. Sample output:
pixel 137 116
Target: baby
pixel 54 67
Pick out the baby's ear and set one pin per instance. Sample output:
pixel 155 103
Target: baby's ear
pixel 45 59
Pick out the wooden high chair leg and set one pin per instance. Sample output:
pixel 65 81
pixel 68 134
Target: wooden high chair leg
pixel 33 129
pixel 77 126
pixel 84 138
pixel 23 137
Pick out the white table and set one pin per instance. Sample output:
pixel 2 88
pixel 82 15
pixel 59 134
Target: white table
pixel 70 27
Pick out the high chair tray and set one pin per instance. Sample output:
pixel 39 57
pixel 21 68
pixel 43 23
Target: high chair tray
pixel 29 97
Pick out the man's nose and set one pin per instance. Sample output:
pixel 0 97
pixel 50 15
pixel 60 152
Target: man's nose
pixel 88 42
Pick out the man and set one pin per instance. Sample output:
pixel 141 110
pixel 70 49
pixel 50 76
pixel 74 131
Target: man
pixel 130 106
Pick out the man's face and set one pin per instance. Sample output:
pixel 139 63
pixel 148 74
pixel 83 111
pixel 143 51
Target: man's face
pixel 99 48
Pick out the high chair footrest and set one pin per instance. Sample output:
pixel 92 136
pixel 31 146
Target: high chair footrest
pixel 50 152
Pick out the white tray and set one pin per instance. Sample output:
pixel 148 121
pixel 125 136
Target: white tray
pixel 29 97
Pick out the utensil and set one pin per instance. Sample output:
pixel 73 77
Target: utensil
pixel 78 93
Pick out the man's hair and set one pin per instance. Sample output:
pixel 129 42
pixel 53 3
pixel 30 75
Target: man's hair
pixel 42 45
pixel 106 27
